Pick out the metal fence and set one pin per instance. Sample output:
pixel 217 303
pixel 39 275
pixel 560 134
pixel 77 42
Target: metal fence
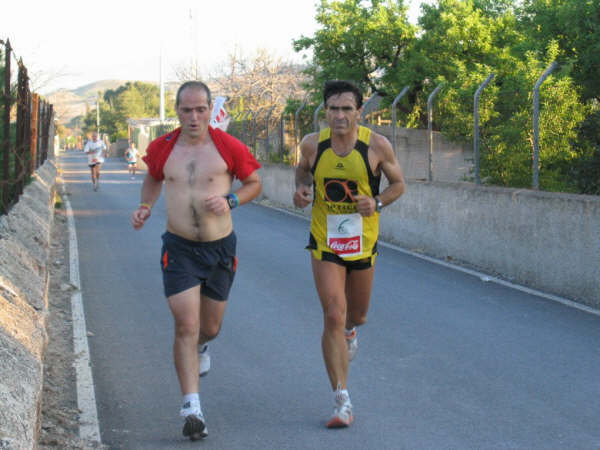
pixel 26 131
pixel 278 139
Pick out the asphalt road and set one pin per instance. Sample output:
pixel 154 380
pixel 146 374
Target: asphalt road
pixel 446 361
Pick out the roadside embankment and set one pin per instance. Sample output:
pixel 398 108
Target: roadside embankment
pixel 25 234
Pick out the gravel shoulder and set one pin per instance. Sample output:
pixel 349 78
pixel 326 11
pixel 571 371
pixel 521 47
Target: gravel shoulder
pixel 60 415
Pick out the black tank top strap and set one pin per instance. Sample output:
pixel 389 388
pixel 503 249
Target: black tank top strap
pixel 323 145
pixel 374 181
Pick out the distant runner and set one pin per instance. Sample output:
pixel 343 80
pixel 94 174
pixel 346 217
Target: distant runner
pixel 131 155
pixel 197 164
pixel 344 163
pixel 95 149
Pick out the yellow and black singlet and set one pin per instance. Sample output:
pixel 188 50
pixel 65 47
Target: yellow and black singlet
pixel 336 226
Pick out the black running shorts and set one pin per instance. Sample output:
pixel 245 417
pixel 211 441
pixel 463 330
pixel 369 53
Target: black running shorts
pixel 186 264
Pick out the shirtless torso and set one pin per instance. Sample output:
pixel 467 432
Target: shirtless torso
pixel 193 175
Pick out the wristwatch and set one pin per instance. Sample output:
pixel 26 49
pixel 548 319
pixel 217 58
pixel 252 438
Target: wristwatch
pixel 378 204
pixel 232 200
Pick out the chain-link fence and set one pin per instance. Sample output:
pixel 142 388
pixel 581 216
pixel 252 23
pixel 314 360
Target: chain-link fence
pixel 26 131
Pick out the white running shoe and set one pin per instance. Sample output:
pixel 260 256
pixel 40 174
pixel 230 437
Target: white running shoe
pixel 203 360
pixel 352 342
pixel 195 425
pixel 342 413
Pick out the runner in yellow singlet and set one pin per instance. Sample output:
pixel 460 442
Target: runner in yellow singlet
pixel 343 164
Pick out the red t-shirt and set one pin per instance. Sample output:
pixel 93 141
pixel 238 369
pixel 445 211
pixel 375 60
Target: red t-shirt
pixel 236 155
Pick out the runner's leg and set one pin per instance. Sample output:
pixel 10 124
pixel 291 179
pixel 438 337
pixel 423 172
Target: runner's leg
pixel 330 279
pixel 97 167
pixel 358 292
pixel 185 307
pixel 211 318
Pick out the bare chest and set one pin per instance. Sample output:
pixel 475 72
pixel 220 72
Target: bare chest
pixel 195 165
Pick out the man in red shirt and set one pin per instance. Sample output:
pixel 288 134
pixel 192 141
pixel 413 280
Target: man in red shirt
pixel 197 165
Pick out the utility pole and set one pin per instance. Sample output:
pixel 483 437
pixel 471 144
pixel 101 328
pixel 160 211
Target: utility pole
pixel 162 86
pixel 98 113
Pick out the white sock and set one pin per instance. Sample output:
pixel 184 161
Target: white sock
pixel 191 404
pixel 341 396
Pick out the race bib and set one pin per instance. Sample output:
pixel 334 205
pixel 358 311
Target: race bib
pixel 344 234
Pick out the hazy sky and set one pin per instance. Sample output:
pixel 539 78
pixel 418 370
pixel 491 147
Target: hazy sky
pixel 73 43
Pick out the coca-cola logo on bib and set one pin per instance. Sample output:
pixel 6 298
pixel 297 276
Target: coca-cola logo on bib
pixel 342 245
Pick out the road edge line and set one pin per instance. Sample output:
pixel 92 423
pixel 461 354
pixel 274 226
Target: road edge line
pixel 89 427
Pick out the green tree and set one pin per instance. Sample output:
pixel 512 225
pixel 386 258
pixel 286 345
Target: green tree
pixel 363 41
pixel 134 100
pixel 460 42
pixel 575 26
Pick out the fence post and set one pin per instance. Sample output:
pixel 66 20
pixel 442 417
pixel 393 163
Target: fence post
pixel 297 132
pixel 35 104
pixel 245 126
pixel 316 116
pixel 366 105
pixel 268 117
pixel 476 125
pixel 22 172
pixel 254 115
pixel 394 103
pixel 430 129
pixel 5 180
pixel 281 134
pixel 536 124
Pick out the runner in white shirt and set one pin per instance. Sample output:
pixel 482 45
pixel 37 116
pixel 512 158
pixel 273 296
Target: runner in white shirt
pixel 131 155
pixel 95 149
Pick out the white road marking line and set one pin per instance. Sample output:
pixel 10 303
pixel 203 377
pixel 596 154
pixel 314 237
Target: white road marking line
pixel 86 398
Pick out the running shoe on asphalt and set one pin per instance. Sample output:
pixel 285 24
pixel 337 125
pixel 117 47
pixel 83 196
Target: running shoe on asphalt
pixel 342 413
pixel 352 342
pixel 194 426
pixel 203 360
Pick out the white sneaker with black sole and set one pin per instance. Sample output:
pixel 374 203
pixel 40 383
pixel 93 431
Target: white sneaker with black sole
pixel 195 425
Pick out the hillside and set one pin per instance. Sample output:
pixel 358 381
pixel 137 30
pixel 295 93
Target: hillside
pixel 69 104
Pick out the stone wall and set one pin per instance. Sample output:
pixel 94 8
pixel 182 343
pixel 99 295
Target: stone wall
pixel 544 240
pixel 24 251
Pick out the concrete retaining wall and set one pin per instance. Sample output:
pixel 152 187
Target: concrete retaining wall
pixel 547 241
pixel 24 251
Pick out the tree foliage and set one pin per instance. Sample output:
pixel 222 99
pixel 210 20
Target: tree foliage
pixel 134 100
pixel 363 41
pixel 459 43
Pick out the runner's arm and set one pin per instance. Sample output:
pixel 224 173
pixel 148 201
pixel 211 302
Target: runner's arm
pixel 150 193
pixel 390 167
pixel 251 187
pixel 304 179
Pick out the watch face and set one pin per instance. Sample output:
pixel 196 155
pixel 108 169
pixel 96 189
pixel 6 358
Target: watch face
pixel 231 202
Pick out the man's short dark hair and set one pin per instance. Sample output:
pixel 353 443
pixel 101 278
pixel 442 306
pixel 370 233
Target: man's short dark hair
pixel 335 87
pixel 193 85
